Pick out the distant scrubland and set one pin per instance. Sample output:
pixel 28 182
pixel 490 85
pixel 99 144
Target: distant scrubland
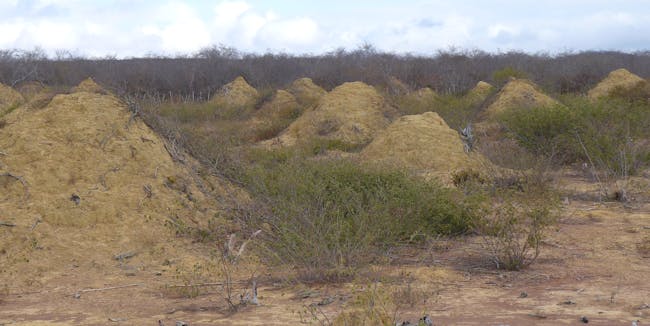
pixel 202 73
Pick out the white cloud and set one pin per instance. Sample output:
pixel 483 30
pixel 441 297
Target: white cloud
pixel 138 27
pixel 9 32
pixel 179 28
pixel 288 33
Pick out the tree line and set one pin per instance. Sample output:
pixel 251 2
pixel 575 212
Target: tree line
pixel 449 71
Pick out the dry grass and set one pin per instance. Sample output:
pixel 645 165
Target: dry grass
pixel 10 99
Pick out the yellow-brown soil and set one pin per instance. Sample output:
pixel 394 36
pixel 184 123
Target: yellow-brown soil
pixel 237 94
pixel 306 92
pixel 82 181
pixel 352 113
pixel 618 78
pixel 518 94
pixel 423 144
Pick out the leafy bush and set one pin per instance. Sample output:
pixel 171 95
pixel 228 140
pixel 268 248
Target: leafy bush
pixel 610 133
pixel 457 111
pixel 513 225
pixel 328 215
pixel 545 131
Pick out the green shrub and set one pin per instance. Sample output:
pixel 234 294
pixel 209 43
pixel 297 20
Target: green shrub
pixel 457 111
pixel 514 223
pixel 545 131
pixel 609 133
pixel 334 214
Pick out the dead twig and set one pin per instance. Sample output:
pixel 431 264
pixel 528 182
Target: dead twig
pixel 19 178
pixel 38 220
pixel 77 294
pixel 204 284
pixel 8 224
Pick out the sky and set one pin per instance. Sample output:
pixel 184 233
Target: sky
pixel 128 28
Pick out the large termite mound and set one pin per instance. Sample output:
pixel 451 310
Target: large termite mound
pixel 620 78
pixel 352 113
pixel 423 144
pixel 82 180
pixel 306 92
pixel 236 95
pixel 518 94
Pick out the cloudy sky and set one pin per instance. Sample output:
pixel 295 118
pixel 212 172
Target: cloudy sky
pixel 138 27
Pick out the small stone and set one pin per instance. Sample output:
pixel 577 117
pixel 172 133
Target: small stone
pixel 584 320
pixel 523 295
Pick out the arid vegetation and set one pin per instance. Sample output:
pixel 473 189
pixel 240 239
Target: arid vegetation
pixel 282 171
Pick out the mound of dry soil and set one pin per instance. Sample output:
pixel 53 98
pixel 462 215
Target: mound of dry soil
pixel 518 94
pixel 423 144
pixel 352 113
pixel 236 94
pixel 306 92
pixel 617 78
pixel 9 99
pixel 82 181
pixel 480 92
pixel 88 85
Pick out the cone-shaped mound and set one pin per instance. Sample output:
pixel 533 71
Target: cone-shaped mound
pixel 9 99
pixel 352 113
pixel 236 94
pixel 422 143
pixel 88 85
pixel 518 94
pixel 306 92
pixel 480 92
pixel 283 105
pixel 620 78
pixel 86 181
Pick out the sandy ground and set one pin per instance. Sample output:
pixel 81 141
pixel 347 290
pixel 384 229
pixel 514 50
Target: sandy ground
pixel 590 266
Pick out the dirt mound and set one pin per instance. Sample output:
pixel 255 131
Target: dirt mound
pixel 306 92
pixel 283 105
pixel 352 113
pixel 480 92
pixel 422 143
pixel 425 93
pixel 618 78
pixel 82 181
pixel 88 85
pixel 236 94
pixel 518 94
pixel 9 99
